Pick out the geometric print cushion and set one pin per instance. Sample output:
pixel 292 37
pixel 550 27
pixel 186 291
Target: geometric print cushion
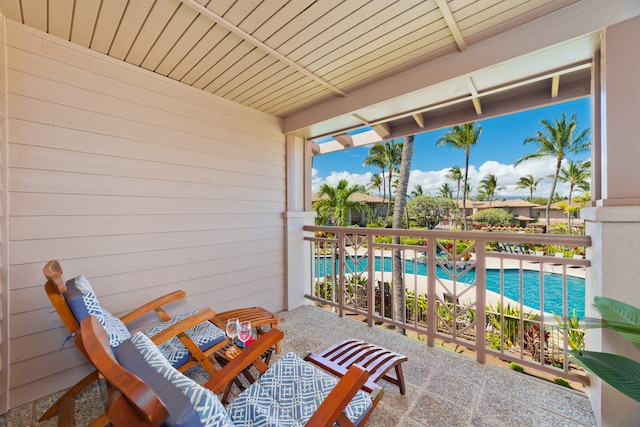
pixel 205 335
pixel 82 300
pixel 204 401
pixel 288 394
pixel 117 331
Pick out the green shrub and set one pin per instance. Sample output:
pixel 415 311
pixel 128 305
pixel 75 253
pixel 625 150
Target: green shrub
pixel 514 366
pixel 562 382
pixel 493 216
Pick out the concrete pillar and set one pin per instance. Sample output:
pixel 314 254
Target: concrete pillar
pixel 299 214
pixel 614 222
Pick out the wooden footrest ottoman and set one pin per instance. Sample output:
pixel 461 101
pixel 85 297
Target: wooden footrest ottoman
pixel 377 360
pixel 258 317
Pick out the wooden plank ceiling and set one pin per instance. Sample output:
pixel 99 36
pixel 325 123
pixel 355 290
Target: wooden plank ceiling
pixel 282 56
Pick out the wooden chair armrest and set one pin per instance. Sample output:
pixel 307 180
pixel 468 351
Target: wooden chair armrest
pixel 181 326
pixel 333 406
pixel 153 305
pixel 247 357
pixel 145 406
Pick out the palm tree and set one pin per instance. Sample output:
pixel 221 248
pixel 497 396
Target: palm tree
pixel 445 191
pixel 398 212
pixel 378 159
pixel 529 182
pixel 335 203
pixel 577 175
pixel 455 175
pixel 557 139
pixel 489 187
pixel 417 191
pixel 462 137
pixel 376 183
pixel 387 156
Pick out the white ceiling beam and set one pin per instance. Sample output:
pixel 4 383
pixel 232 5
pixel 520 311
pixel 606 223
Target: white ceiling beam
pixel 344 139
pixel 419 118
pixel 452 24
pixel 467 98
pixel 257 43
pixel 486 93
pixel 362 119
pixel 555 85
pixel 475 98
pixel 382 129
pixel 315 148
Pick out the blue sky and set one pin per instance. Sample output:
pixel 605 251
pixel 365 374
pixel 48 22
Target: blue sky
pixel 499 146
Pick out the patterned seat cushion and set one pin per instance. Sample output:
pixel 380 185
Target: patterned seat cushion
pixel 82 302
pixel 205 402
pixel 288 394
pixel 205 335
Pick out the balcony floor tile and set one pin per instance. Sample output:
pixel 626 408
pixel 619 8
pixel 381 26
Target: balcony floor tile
pixel 443 388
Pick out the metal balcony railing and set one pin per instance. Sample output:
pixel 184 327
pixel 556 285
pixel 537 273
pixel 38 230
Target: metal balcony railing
pixel 500 294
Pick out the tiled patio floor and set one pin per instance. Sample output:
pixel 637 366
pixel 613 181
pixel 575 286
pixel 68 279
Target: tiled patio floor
pixel 443 388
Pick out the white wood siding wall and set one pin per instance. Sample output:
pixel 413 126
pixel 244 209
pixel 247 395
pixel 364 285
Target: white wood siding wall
pixel 139 183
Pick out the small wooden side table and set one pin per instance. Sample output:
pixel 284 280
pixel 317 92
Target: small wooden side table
pixel 258 317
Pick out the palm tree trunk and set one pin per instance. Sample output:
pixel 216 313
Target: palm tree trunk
pixel 399 304
pixel 553 191
pixel 464 191
pixel 390 195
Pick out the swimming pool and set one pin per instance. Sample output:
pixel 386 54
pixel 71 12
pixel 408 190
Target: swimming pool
pixel 530 283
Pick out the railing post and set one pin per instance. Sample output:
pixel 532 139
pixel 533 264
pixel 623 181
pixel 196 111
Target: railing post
pixel 431 291
pixel 341 261
pixel 481 301
pixel 371 277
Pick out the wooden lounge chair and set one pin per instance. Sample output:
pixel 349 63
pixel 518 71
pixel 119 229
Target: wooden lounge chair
pixel 145 391
pixel 186 340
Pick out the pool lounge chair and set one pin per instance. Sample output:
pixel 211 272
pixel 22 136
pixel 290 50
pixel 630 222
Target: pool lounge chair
pixel 145 390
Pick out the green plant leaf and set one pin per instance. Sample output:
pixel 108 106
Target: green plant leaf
pixel 620 372
pixel 621 317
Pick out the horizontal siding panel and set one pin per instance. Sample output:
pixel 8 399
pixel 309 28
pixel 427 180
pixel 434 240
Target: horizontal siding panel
pixel 30 157
pixel 30 275
pixel 28 251
pixel 42 181
pixel 40 204
pixel 196 151
pixel 54 93
pixel 48 385
pixel 50 341
pixel 39 227
pixel 29 370
pixel 91 123
pixel 83 66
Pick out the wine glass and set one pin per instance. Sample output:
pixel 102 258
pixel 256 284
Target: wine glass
pixel 244 332
pixel 232 328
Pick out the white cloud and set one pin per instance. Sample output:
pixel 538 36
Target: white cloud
pixel 335 177
pixel 431 181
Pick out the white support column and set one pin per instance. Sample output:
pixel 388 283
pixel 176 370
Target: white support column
pixel 614 222
pixel 299 214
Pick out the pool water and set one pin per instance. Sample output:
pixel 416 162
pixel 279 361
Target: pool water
pixel 530 283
